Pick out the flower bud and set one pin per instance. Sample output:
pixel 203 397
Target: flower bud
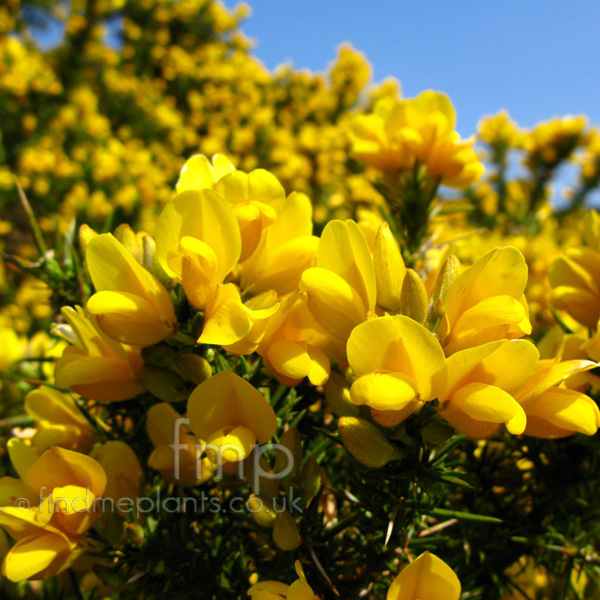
pixel 148 248
pixel 127 237
pixel 365 442
pixel 86 233
pixel 448 273
pixel 261 510
pixel 193 368
pixel 414 297
pixel 285 532
pixel 389 270
pixel 164 384
pixel 427 577
pixel 337 394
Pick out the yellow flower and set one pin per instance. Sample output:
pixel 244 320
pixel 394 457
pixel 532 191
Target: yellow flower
pixel 131 306
pixel 229 413
pixel 59 422
pixel 273 590
pixel 575 277
pixel 161 427
pixel 198 173
pixel 399 365
pixel 12 347
pixel 426 578
pixel 256 199
pixel 287 248
pixel 402 133
pixel 50 534
pixel 481 384
pixel 198 242
pixel 486 302
pixel 295 346
pixel 341 289
pixel 554 411
pixel 95 366
pixel 227 321
pixel 124 473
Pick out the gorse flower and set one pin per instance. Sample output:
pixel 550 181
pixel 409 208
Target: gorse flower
pixel 481 385
pixel 574 275
pixel 130 305
pixel 49 536
pixel 59 421
pixel 273 590
pixel 486 302
pixel 400 134
pixel 230 414
pixel 426 578
pixel 96 366
pixel 315 288
pixel 341 289
pixel 554 411
pixel 403 367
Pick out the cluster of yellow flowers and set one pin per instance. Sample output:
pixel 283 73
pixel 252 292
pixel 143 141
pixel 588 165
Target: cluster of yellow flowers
pixel 113 140
pixel 297 278
pixel 232 264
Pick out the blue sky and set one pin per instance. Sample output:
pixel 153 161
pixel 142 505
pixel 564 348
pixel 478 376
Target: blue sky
pixel 536 58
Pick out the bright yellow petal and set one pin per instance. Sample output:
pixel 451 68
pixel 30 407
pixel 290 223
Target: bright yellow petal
pixel 567 409
pixel 333 302
pixel 384 391
pixel 506 364
pixel 123 470
pixel 290 358
pixel 343 250
pixel 22 456
pixel 399 344
pixel 486 403
pixel 203 215
pixel 197 173
pixel 48 404
pixel 59 467
pixel 129 319
pixel 501 272
pixel 226 320
pixel 426 578
pixel 227 400
pixel 113 268
pixel 31 556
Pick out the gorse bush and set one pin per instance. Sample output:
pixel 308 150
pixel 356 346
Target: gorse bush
pixel 283 335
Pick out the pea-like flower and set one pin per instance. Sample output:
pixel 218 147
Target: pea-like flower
pixel 341 289
pixel 59 422
pixel 49 535
pixel 575 277
pixel 400 134
pixel 230 414
pixel 274 590
pixel 130 305
pixel 481 384
pixel 486 302
pixel 182 469
pixel 554 411
pixel 398 363
pixel 198 243
pixel 95 366
pixel 426 578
